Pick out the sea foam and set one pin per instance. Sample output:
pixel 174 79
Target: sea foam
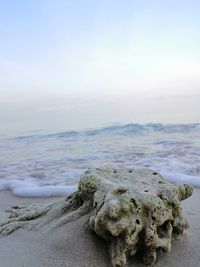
pixel 37 165
pixel 24 189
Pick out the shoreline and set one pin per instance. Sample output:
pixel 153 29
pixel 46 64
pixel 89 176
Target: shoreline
pixel 74 245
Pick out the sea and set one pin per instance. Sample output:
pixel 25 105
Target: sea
pixel 50 164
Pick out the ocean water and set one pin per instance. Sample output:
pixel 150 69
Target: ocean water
pixel 51 164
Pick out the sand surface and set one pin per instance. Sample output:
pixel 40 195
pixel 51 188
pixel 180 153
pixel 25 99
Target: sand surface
pixel 74 245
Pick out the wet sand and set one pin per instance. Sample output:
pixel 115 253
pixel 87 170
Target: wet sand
pixel 74 245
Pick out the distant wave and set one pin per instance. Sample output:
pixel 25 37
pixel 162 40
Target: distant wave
pixel 120 129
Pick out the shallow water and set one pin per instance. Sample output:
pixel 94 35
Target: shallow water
pixel 51 164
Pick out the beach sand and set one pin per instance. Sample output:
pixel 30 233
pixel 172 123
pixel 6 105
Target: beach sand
pixel 74 245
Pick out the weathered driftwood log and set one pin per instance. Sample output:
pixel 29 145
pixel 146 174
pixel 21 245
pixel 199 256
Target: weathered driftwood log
pixel 136 210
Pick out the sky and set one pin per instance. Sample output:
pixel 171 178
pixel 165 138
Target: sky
pixel 74 64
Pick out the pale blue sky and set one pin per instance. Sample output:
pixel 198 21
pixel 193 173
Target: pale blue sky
pixel 86 63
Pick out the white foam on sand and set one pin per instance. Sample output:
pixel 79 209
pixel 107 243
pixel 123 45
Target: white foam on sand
pixel 24 189
pixel 30 189
pixel 183 178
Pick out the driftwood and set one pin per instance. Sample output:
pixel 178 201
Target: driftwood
pixel 135 210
